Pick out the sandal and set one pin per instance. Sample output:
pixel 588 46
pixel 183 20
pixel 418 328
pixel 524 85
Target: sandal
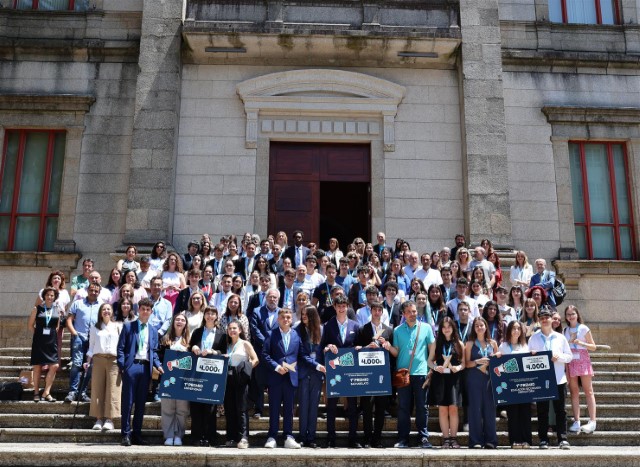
pixel 36 398
pixel 446 443
pixel 453 442
pixel 48 398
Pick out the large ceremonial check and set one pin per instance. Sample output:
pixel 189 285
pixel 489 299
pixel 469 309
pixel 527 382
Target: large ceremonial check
pixel 523 378
pixel 190 377
pixel 352 373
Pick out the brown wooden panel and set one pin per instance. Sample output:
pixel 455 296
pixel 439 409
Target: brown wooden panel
pixel 290 161
pixel 345 163
pixel 294 205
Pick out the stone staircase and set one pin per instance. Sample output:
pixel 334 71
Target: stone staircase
pixel 617 388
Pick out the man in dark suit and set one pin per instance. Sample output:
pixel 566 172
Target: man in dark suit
pixel 262 322
pixel 447 288
pixel 217 263
pixel 281 352
pixel 187 258
pixel 244 266
pixel 340 332
pixel 182 302
pixel 288 290
pixel 136 358
pixel 258 299
pixel 375 334
pixel 297 253
pixel 382 238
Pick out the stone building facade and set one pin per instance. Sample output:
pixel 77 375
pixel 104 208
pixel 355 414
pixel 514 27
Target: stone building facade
pixel 473 113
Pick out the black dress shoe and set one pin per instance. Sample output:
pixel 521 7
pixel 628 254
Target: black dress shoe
pixel 331 444
pixel 126 441
pixel 355 445
pixel 204 443
pixel 138 441
pixel 312 445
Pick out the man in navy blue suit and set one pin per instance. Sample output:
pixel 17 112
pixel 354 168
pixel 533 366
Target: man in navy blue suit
pixel 297 252
pixel 136 358
pixel 339 332
pixel 281 353
pixel 262 322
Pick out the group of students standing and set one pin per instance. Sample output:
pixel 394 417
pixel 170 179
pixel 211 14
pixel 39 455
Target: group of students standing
pixel 443 320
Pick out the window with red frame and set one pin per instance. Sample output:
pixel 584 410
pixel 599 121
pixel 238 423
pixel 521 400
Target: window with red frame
pixel 45 4
pixel 602 210
pixel 584 11
pixel 30 182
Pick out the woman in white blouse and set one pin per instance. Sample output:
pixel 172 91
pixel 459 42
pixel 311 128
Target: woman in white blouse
pixel 521 272
pixel 106 381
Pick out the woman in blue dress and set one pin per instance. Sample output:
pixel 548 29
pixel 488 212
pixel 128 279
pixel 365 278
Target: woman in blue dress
pixel 481 409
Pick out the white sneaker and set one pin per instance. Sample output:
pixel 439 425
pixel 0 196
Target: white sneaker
pixel 108 425
pixel 271 443
pixel 589 427
pixel 168 442
pixel 243 444
pixel 291 443
pixel 98 425
pixel 575 428
pixel 177 441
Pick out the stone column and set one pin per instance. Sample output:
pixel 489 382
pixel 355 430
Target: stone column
pixel 484 135
pixel 155 126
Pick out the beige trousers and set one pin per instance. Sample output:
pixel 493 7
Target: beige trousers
pixel 106 387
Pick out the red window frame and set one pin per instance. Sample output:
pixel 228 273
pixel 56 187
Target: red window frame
pixel 616 8
pixel 614 200
pixel 36 3
pixel 13 214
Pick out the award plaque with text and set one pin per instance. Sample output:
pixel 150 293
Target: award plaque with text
pixel 353 373
pixel 523 378
pixel 193 378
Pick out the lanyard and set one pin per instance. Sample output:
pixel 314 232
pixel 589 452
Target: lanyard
pixel 463 336
pixel 493 330
pixel 484 352
pixel 547 342
pixel 47 315
pixel 208 338
pixel 446 351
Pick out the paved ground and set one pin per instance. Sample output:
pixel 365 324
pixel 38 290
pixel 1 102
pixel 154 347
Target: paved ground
pixel 67 454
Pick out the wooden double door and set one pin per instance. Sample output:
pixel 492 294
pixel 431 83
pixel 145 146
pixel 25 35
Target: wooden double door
pixel 321 189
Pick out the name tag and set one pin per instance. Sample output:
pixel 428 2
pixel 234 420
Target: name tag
pixel 447 370
pixel 46 331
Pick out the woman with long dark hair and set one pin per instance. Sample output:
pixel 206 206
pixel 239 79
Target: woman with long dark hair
pixel 447 361
pixel 495 325
pixel 310 378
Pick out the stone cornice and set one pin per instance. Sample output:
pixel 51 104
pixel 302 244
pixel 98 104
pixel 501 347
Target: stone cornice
pixel 592 115
pixel 64 261
pixel 571 271
pixel 46 103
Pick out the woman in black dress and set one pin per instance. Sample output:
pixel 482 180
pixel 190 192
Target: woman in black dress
pixel 447 361
pixel 43 323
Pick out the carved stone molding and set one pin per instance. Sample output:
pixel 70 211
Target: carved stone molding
pixel 319 103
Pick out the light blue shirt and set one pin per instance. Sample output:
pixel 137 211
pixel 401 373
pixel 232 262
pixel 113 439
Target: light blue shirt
pixel 161 316
pixel 86 315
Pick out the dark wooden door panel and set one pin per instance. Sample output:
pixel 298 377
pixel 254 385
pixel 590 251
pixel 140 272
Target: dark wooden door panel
pixel 345 164
pixel 294 205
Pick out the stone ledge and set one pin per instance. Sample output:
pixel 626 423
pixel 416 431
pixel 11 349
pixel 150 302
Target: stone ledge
pixel 597 267
pixel 63 261
pixel 591 115
pixel 48 102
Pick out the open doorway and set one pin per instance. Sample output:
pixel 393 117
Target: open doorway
pixel 344 212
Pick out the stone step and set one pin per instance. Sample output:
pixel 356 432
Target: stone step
pixel 616 386
pixel 70 454
pixel 152 408
pixel 258 437
pixel 599 365
pixel 26 351
pixel 615 357
pixel 630 376
pixel 153 422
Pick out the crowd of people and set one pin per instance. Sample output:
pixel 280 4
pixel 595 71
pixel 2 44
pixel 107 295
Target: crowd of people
pixel 276 308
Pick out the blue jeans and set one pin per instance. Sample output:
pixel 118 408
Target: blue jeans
pixel 406 397
pixel 79 348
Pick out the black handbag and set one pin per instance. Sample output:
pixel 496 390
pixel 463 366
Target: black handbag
pixel 241 373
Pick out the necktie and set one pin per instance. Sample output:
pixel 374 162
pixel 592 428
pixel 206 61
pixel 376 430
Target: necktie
pixel 141 337
pixel 343 331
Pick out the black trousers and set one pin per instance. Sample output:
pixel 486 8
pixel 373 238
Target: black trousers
pixel 561 416
pixel 373 429
pixel 203 422
pixel 352 415
pixel 519 423
pixel 235 410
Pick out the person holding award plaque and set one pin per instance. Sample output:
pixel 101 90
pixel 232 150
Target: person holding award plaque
pixel 447 361
pixel 518 415
pixel 581 342
pixel 481 409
